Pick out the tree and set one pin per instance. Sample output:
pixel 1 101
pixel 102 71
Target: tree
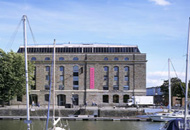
pixel 12 75
pixel 177 88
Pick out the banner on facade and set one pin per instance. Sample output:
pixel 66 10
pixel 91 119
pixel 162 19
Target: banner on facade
pixel 91 78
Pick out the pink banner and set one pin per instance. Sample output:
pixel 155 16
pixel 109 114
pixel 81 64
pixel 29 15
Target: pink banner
pixel 91 78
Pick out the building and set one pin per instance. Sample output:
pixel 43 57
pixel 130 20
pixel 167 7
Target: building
pixel 106 75
pixel 159 98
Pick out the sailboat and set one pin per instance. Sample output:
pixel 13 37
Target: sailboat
pixel 54 127
pixel 171 115
pixel 184 123
pixel 28 121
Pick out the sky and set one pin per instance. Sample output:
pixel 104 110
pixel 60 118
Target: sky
pixel 158 27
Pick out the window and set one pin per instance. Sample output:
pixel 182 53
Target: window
pixel 47 68
pixel 61 59
pixel 105 99
pixel 126 78
pixel 116 59
pixel 75 77
pixel 75 58
pixel 115 78
pixel 61 77
pixel 115 87
pixel 46 87
pixel 126 59
pixel 105 58
pixel 126 87
pixel 61 68
pixel 61 87
pixel 47 77
pixel 105 77
pixel 105 87
pixel 126 68
pixel 116 68
pixel 106 68
pixel 33 59
pixel 115 98
pixel 47 58
pixel 47 97
pixel 125 98
pixel 19 98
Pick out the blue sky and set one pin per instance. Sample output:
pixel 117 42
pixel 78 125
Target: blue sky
pixel 158 27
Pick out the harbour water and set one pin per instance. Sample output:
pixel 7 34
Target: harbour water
pixel 84 125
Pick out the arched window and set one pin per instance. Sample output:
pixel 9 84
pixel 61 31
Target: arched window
pixel 47 58
pixel 61 59
pixel 126 59
pixel 125 98
pixel 115 98
pixel 75 58
pixel 33 59
pixel 116 58
pixel 61 68
pixel 116 68
pixel 106 68
pixel 126 68
pixel 105 58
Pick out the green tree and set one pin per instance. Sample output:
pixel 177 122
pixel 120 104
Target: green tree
pixel 12 75
pixel 177 88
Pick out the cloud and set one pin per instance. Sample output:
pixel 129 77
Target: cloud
pixel 161 2
pixel 157 78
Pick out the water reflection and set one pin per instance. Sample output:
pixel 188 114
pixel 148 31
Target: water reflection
pixel 83 125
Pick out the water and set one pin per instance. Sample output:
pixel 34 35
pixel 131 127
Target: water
pixel 84 125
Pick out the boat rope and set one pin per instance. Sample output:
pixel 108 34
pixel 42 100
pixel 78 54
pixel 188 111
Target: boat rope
pixel 178 78
pixel 34 40
pixel 12 38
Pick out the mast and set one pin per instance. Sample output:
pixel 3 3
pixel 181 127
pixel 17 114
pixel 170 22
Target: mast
pixel 26 72
pixel 186 79
pixel 53 82
pixel 169 85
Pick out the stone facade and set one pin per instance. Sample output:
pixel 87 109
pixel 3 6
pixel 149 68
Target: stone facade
pixel 92 85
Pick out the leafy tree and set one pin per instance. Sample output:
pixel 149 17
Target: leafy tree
pixel 12 75
pixel 177 88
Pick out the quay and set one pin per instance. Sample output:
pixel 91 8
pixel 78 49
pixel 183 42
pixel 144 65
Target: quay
pixel 88 113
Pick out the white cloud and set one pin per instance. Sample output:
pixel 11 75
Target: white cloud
pixel 157 78
pixel 161 2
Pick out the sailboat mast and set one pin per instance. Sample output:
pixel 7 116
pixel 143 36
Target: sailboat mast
pixel 169 85
pixel 26 72
pixel 54 81
pixel 187 79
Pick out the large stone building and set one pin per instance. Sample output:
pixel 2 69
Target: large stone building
pixel 87 73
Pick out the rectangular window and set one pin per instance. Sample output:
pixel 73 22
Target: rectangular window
pixel 61 77
pixel 47 68
pixel 105 77
pixel 47 97
pixel 105 87
pixel 126 78
pixel 75 78
pixel 115 78
pixel 47 77
pixel 125 87
pixel 61 87
pixel 115 87
pixel 105 99
pixel 75 73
